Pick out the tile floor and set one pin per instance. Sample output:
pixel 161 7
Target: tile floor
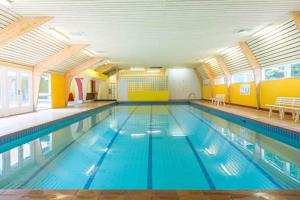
pixel 20 122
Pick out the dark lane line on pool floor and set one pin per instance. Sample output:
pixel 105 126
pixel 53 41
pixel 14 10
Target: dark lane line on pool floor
pixel 202 166
pixel 149 177
pixel 39 170
pixel 239 150
pixel 101 159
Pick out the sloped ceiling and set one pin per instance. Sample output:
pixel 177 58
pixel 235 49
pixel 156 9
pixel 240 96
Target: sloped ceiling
pixel 160 32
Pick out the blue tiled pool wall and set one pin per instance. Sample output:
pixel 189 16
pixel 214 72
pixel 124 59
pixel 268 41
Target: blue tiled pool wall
pixel 27 135
pixel 145 103
pixel 287 136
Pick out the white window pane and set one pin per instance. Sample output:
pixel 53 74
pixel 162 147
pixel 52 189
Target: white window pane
pixel 295 70
pixel 25 88
pixel 44 99
pixel 12 89
pixel 220 81
pixel 26 151
pixel 14 156
pixel 274 73
pixel 243 77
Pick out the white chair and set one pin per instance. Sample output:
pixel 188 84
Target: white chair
pixel 218 99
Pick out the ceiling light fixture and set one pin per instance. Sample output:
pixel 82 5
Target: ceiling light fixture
pixel 137 69
pixel 5 2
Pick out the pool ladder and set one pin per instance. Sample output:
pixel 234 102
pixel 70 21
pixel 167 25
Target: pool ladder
pixel 190 96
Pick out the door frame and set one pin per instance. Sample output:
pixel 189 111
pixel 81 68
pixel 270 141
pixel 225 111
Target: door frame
pixel 5 109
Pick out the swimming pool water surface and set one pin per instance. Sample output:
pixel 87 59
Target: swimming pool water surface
pixel 150 147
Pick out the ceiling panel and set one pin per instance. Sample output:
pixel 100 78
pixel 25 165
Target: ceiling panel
pixel 235 60
pixel 160 32
pixel 73 61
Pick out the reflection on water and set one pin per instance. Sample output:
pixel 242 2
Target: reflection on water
pixel 278 158
pixel 29 157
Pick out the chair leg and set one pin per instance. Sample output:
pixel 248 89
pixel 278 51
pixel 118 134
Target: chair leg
pixel 270 112
pixel 297 116
pixel 281 114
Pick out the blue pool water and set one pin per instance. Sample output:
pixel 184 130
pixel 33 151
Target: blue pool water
pixel 150 147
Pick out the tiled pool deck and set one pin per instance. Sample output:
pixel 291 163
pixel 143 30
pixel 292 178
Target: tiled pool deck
pixel 148 195
pixel 257 115
pixel 21 122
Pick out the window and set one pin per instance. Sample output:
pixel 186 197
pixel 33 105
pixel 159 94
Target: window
pixel 295 70
pixel 281 72
pixel 44 100
pixel 206 82
pixel 243 77
pixel 220 80
pixel 12 89
pixel 274 73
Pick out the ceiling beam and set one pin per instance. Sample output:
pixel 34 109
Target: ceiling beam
pixel 208 71
pixel 296 16
pixel 249 55
pixel 222 64
pixel 104 68
pixel 255 66
pixel 60 56
pixel 69 75
pixel 49 62
pixel 210 76
pixel 220 60
pixel 24 25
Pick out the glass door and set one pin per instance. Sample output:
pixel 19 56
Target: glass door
pixel 1 92
pixel 15 91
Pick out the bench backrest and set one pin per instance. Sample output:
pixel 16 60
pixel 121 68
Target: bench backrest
pixel 288 101
pixel 220 96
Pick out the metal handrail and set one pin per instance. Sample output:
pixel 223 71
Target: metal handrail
pixel 190 95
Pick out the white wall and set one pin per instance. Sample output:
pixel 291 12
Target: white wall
pixel 182 82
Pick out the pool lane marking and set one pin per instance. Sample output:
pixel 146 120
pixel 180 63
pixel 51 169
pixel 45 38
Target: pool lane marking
pixel 149 177
pixel 268 176
pixel 101 159
pixel 202 166
pixel 58 154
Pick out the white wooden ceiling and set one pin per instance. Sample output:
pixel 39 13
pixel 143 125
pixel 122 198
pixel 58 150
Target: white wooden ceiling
pixel 160 32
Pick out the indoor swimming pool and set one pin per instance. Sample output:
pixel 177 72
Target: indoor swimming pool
pixel 151 146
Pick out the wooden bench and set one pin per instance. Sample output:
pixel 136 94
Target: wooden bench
pixel 286 104
pixel 219 98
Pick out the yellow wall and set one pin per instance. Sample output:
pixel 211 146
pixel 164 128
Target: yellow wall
pixel 220 89
pixel 148 96
pixel 58 93
pixel 269 90
pixel 236 98
pixel 206 92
